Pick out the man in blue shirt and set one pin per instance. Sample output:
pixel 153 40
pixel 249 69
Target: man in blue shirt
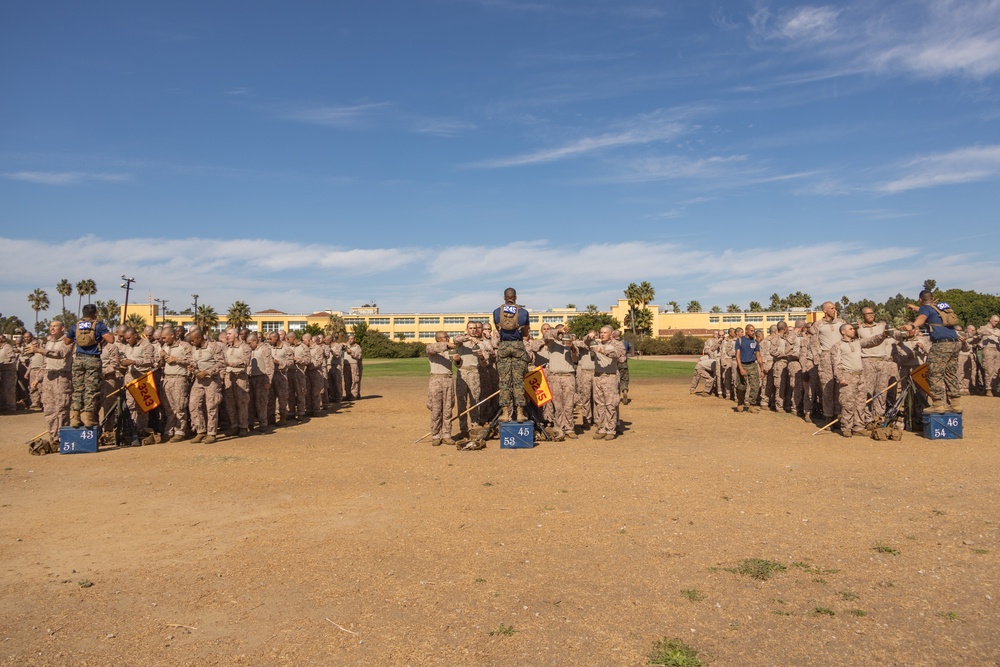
pixel 512 358
pixel 87 335
pixel 942 359
pixel 748 362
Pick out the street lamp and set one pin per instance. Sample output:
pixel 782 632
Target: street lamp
pixel 163 304
pixel 127 286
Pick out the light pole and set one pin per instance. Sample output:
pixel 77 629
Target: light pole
pixel 127 286
pixel 194 313
pixel 163 304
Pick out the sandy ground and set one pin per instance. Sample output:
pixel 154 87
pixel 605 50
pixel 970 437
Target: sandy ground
pixel 340 542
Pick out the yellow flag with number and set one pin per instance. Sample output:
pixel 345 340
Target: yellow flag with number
pixel 537 387
pixel 143 390
pixel 919 375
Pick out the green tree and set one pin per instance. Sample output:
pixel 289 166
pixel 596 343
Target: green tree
pixel 583 323
pixel 970 306
pixel 39 300
pixel 676 306
pixel 755 307
pixel 206 318
pixel 799 300
pixel 571 305
pixel 10 324
pixel 239 315
pixel 592 309
pixel 84 288
pixel 733 308
pixel 715 309
pixel 643 323
pixel 108 312
pixel 136 321
pixel 931 286
pixel 777 303
pixel 313 329
pixel 41 327
pixel 336 327
pixel 64 288
pixel 694 307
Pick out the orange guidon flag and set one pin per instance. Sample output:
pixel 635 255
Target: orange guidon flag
pixel 537 387
pixel 919 375
pixel 144 392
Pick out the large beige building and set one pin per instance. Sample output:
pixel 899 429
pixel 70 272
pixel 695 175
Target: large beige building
pixel 423 326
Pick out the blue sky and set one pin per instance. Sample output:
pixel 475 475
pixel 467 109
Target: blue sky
pixel 426 154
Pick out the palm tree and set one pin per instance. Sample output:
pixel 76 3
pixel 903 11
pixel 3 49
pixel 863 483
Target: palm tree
pixel 336 327
pixel 694 307
pixel 84 288
pixel 206 318
pixel 238 315
pixel 65 289
pixel 136 321
pixel 676 306
pixel 108 312
pixel 646 293
pixel 39 300
pixel 733 308
pixel 632 294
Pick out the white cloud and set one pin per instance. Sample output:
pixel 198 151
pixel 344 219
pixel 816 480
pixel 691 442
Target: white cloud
pixel 335 116
pixel 65 177
pixel 648 128
pixel 963 165
pixel 297 277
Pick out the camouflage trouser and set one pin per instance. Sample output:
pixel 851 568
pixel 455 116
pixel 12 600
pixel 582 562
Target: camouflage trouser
pixel 35 375
pixel 767 384
pixel 317 389
pixel 729 373
pixel 827 385
pixel 260 394
pixel 175 404
pixel 203 405
pixel 852 402
pixel 297 392
pixel 512 362
pixel 336 382
pixel 440 398
pixel 8 387
pixel 747 386
pixel 488 385
pixel 623 376
pixel 110 383
pixel 236 398
pixel 879 374
pixel 57 392
pixel 794 373
pixel 942 370
pixel 606 399
pixel 782 394
pixel 279 394
pixel 991 369
pixel 467 393
pixel 966 371
pixel 702 373
pixel 352 380
pixel 563 387
pixel 86 382
pixel 585 394
pixel 804 395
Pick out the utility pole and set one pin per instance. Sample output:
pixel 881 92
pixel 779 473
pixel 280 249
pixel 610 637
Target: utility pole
pixel 163 304
pixel 127 286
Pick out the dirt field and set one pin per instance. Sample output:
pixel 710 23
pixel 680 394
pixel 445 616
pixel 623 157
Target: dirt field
pixel 340 542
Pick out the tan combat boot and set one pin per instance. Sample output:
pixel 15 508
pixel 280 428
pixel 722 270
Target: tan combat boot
pixel 956 405
pixel 89 420
pixel 505 413
pixel 74 419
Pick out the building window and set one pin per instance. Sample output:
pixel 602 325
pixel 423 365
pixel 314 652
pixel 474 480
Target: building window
pixel 533 319
pixel 348 321
pixel 479 319
pixel 268 327
pixel 775 318
pixel 553 319
pixel 732 318
pixel 755 318
pixel 297 326
pixel 406 334
pixel 714 319
pixel 403 320
pixel 430 320
pixel 454 320
pixel 378 320
pixel 452 334
pixel 428 334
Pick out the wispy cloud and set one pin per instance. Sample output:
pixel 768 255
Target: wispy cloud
pixel 964 165
pixel 65 177
pixel 300 277
pixel 335 116
pixel 926 38
pixel 649 128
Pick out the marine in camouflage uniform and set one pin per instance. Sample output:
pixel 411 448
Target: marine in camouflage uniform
pixel 175 358
pixel 57 379
pixel 989 342
pixel 207 364
pixel 236 386
pixel 608 353
pixel 281 353
pixel 942 359
pixel 261 373
pixel 563 357
pixel 624 377
pixel 512 359
pixel 440 391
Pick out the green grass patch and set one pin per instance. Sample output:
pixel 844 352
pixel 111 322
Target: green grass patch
pixel 673 653
pixel 759 569
pixel 949 615
pixel 377 368
pixel 824 611
pixel 503 630
pixel 813 570
pixel 847 595
pixel 693 595
pixel 860 613
pixel 651 368
pixel 885 549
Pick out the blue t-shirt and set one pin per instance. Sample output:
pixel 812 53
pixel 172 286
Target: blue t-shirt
pixel 747 349
pixel 522 320
pixel 99 331
pixel 938 330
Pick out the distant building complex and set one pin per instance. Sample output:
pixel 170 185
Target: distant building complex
pixel 423 326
